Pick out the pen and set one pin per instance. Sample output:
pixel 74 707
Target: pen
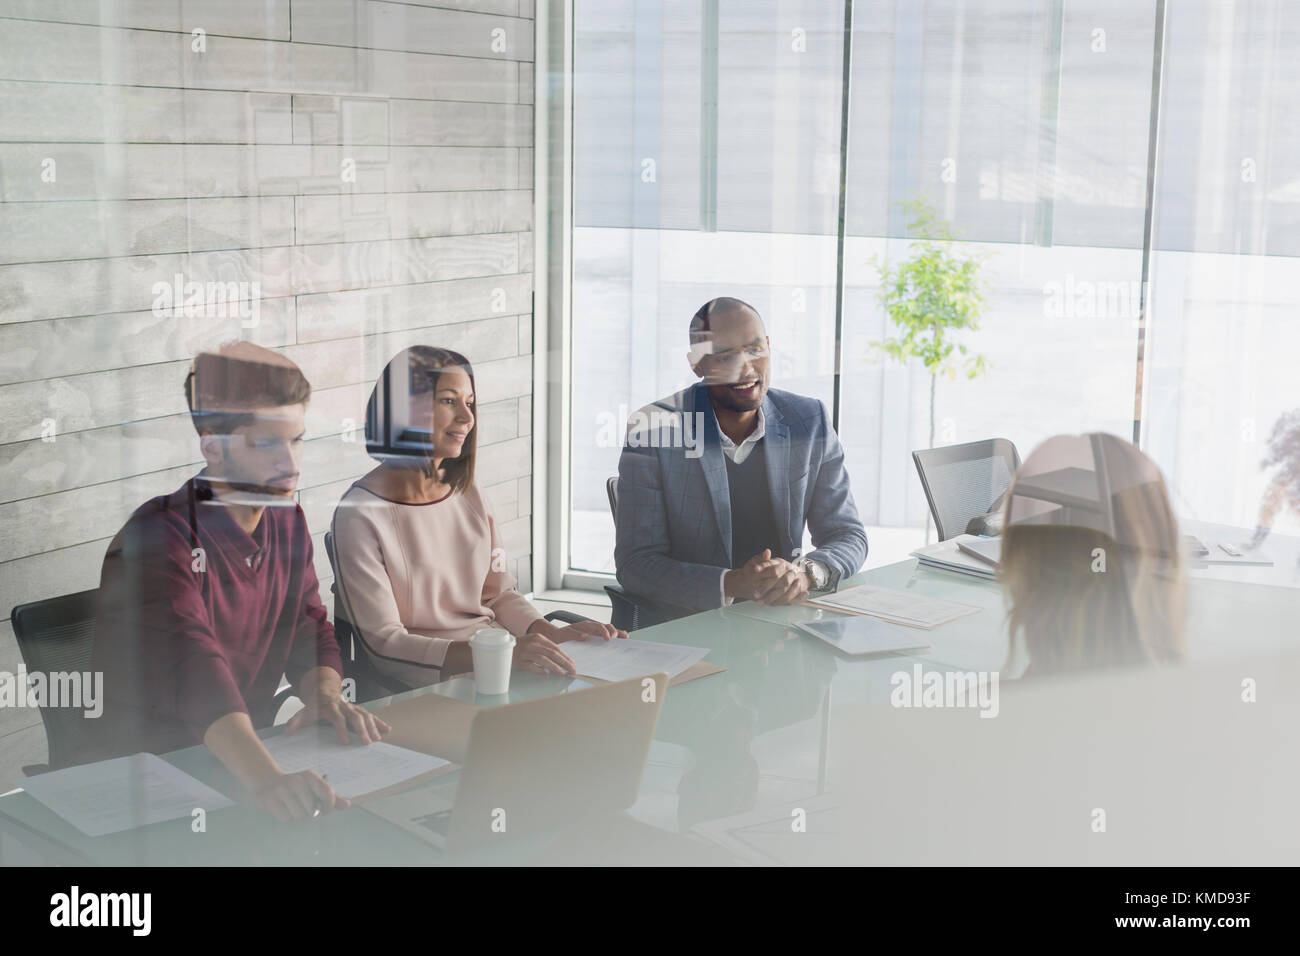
pixel 316 812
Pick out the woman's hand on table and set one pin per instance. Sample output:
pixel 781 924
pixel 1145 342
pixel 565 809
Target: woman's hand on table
pixel 537 653
pixel 585 630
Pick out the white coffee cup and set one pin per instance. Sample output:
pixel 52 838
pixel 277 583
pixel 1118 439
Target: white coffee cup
pixel 493 651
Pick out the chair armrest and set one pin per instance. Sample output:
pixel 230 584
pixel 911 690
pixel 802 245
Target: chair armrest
pixel 568 617
pixel 635 611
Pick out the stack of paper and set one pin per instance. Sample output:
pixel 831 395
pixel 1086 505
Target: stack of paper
pixel 948 556
pixel 1229 553
pixel 351 769
pixel 988 550
pixel 625 658
pixel 123 793
pixel 897 607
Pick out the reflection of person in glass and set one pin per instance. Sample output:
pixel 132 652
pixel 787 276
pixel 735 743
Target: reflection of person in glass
pixel 418 550
pixel 774 680
pixel 208 595
pixel 1283 491
pixel 699 531
pixel 1091 558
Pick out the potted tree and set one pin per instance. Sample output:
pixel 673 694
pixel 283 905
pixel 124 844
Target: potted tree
pixel 930 297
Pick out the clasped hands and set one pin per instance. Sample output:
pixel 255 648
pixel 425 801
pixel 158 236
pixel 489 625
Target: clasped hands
pixel 766 580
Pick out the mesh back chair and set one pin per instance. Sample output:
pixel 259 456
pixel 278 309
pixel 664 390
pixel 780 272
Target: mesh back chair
pixel 57 635
pixel 962 482
pixel 631 612
pixel 370 684
pixel 611 492
pixel 623 610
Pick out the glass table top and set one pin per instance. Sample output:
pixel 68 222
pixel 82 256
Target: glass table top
pixel 756 738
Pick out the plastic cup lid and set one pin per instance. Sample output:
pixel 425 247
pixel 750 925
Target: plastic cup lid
pixel 492 637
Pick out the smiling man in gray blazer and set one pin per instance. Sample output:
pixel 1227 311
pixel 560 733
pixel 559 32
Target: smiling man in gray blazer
pixel 717 482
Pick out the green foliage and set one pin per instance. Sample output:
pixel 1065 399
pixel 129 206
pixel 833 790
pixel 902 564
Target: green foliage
pixel 930 296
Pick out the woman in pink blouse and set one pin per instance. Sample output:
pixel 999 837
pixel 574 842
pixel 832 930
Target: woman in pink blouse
pixel 417 549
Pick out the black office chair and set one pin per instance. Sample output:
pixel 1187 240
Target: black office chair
pixel 57 634
pixel 965 482
pixel 631 612
pixel 370 684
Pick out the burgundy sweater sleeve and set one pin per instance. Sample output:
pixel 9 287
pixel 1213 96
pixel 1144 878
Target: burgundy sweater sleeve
pixel 313 644
pixel 160 630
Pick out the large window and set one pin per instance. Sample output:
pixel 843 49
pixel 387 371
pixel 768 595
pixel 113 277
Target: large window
pixel 764 150
pixel 1225 323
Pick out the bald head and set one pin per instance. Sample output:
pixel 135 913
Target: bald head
pixel 729 351
pixel 721 312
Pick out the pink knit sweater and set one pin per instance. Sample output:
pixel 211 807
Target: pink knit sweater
pixel 418 577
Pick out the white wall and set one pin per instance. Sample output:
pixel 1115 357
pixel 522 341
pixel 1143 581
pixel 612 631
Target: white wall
pixel 226 164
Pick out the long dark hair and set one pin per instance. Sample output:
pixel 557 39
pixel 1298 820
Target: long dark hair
pixel 415 371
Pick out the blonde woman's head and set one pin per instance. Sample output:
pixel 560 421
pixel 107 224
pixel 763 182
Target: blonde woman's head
pixel 1091 558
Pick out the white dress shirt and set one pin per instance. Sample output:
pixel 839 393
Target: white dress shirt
pixel 738 453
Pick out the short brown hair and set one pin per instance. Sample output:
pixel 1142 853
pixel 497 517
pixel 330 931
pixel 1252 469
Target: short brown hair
pixel 224 387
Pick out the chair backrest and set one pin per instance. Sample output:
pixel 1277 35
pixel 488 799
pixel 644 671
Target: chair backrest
pixel 962 482
pixel 342 612
pixel 58 635
pixel 370 684
pixel 611 490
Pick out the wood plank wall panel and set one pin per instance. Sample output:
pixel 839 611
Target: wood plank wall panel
pixel 227 165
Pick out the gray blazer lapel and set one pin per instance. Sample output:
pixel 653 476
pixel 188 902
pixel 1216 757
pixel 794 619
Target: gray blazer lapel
pixel 777 454
pixel 714 465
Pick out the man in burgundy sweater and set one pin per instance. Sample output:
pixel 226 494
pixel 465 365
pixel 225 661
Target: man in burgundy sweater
pixel 208 595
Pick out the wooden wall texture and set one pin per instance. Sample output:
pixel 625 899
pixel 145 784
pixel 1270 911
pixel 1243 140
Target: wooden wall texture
pixel 227 163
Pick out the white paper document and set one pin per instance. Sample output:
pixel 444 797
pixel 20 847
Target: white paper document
pixel 623 658
pixel 900 607
pixel 351 769
pixel 948 556
pixel 123 793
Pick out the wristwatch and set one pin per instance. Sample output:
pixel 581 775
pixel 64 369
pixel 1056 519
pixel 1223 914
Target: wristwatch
pixel 816 572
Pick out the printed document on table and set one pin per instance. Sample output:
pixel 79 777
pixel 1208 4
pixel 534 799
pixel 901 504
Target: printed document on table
pixel 351 769
pixel 900 607
pixel 624 658
pixel 120 794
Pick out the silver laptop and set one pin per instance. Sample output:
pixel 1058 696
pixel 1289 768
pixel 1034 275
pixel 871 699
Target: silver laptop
pixel 537 765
